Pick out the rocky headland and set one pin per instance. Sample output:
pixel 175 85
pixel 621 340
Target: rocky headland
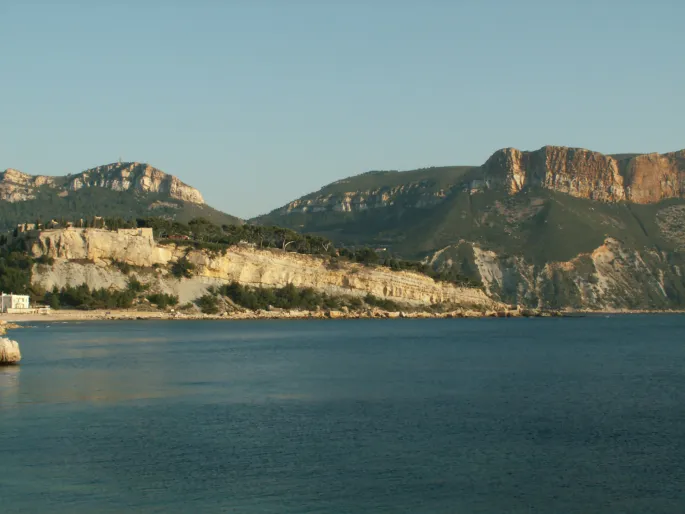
pixel 74 256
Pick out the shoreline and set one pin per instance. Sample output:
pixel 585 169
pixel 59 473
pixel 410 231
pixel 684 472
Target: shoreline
pixel 129 315
pixel 8 320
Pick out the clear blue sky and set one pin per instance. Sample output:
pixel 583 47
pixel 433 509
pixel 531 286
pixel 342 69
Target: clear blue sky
pixel 258 102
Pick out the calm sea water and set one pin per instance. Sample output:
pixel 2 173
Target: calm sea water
pixel 423 416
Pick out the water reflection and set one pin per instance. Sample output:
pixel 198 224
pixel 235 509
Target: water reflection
pixel 9 384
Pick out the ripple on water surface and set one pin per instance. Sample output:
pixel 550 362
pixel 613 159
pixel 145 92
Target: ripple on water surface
pixel 518 416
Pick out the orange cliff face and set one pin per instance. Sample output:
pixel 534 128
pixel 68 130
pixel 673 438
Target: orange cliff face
pixel 654 177
pixel 583 173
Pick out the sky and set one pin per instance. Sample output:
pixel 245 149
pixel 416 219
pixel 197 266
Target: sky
pixel 257 102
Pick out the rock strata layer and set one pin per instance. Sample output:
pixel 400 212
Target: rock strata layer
pixel 87 256
pixel 647 178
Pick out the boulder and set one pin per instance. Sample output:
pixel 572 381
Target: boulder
pixel 9 351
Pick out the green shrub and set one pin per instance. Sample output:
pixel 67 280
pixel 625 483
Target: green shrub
pixel 82 297
pixel 124 267
pixel 163 300
pixel 135 286
pixel 44 259
pixel 208 304
pixel 52 300
pixel 287 297
pixel 183 268
pixel 381 303
pixel 15 270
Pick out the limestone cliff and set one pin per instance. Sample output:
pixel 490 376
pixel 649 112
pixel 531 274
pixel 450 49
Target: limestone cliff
pixel 583 173
pixel 611 277
pixel 16 186
pixel 137 177
pixel 86 256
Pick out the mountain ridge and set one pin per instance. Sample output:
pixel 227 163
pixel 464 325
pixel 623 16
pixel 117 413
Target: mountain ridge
pixel 555 227
pixel 123 189
pixel 16 185
pixel 641 178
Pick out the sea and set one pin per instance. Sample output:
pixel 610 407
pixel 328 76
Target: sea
pixel 547 415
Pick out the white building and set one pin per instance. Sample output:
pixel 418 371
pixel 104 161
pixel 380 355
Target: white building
pixel 13 302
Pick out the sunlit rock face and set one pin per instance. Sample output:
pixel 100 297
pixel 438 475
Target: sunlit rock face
pixel 137 177
pixel 582 173
pixel 9 352
pixel 610 277
pixel 88 256
pixel 16 186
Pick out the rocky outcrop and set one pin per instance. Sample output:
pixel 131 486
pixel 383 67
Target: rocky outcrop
pixel 86 256
pixel 654 177
pixel 137 177
pixel 611 277
pixel 582 173
pixel 9 351
pixel 132 246
pixel 409 195
pixel 16 186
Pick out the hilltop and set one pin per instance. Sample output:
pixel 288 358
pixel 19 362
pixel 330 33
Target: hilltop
pixel 124 189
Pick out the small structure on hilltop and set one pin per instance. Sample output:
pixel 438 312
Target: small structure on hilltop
pixel 14 303
pixel 26 227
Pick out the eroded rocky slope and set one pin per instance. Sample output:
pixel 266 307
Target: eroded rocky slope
pixel 89 256
pixel 611 277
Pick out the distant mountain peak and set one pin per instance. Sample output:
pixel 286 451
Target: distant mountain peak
pixel 16 186
pixel 123 176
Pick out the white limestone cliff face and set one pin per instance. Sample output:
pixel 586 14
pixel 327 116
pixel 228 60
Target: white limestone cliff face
pixel 86 255
pixel 132 246
pixel 611 277
pixel 16 186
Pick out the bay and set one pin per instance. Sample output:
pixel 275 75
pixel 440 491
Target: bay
pixel 455 416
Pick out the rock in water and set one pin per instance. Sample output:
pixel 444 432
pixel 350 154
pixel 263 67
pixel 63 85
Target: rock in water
pixel 9 351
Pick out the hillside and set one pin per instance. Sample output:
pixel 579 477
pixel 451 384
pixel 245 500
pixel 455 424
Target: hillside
pixel 531 226
pixel 126 190
pixel 85 266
